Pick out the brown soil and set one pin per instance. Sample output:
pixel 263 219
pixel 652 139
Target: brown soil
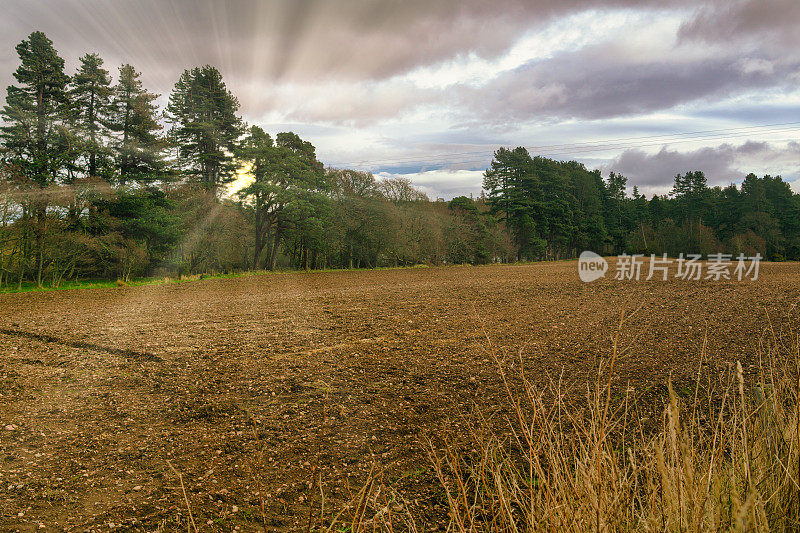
pixel 327 374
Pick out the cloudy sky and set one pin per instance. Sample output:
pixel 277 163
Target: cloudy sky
pixel 429 89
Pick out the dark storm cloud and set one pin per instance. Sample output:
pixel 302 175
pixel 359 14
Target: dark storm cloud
pixel 595 83
pixel 295 38
pixel 272 41
pixel 592 83
pixel 643 169
pixel 773 22
pixel 722 164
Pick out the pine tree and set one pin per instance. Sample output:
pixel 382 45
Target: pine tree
pixel 205 126
pixel 35 112
pixel 257 151
pixel 586 190
pixel 511 187
pixel 134 121
pixel 36 140
pixel 554 218
pixel 287 177
pixel 91 106
pixel 616 211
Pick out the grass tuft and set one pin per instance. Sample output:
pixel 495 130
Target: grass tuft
pixel 728 462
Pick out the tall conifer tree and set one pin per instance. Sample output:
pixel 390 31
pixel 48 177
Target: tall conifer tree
pixel 91 104
pixel 205 126
pixel 138 144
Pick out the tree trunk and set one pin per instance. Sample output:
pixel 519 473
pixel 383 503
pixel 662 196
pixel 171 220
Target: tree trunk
pixel 259 241
pixel 93 136
pixel 274 252
pixel 41 217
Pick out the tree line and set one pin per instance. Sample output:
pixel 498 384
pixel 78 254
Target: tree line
pixel 96 181
pixel 556 209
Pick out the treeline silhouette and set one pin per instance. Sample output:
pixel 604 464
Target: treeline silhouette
pixel 97 182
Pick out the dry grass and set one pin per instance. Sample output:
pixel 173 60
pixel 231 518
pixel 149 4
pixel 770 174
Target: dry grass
pixel 725 457
pixel 717 462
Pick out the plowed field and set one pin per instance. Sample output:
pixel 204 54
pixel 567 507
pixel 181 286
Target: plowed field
pixel 256 388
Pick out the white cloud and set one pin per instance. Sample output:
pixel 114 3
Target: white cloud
pixel 566 34
pixel 445 184
pixel 756 65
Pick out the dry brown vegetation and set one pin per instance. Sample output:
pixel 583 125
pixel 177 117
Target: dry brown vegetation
pixel 725 461
pixel 469 398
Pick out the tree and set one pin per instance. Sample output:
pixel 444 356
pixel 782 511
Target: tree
pixel 134 119
pixel 35 111
pixel 470 241
pixel 657 209
pixel 205 126
pixel 352 183
pixel 398 190
pixel 91 105
pixel 257 151
pixel 37 142
pixel 555 217
pixel 504 179
pixel 145 215
pixel 690 190
pixel 286 174
pixel 309 224
pixel 587 193
pixel 772 211
pixel 690 193
pixel 512 191
pixel 366 222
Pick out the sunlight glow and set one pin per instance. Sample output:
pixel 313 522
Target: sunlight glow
pixel 243 179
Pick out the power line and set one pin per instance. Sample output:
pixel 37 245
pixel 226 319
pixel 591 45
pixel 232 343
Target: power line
pixel 597 146
pixel 476 161
pixel 578 147
pixel 690 139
